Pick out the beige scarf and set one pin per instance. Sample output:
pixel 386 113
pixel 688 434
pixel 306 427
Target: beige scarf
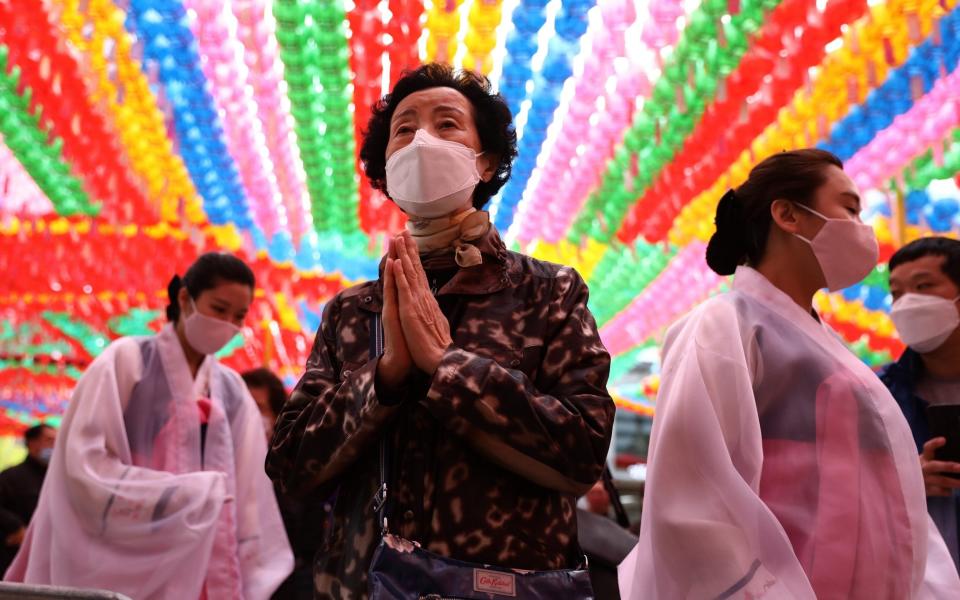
pixel 456 232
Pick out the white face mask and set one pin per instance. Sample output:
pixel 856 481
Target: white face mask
pixel 846 250
pixel 207 335
pixel 431 177
pixel 924 322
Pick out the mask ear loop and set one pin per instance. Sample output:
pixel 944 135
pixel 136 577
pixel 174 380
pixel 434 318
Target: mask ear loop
pixel 193 304
pixel 810 210
pixel 807 208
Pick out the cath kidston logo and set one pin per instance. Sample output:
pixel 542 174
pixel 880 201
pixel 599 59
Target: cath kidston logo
pixel 494 582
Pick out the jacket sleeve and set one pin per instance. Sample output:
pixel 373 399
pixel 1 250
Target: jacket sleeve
pixel 10 523
pixel 555 430
pixel 332 416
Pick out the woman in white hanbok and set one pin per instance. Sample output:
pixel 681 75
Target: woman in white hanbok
pixel 779 465
pixel 156 488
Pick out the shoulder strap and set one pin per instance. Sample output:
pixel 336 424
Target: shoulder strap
pixel 381 497
pixel 622 518
pixel 376 336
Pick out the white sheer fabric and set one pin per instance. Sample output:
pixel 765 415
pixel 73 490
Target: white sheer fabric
pixel 128 506
pixel 779 467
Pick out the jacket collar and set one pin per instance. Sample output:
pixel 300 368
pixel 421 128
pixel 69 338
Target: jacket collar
pixel 498 271
pixel 35 464
pixel 908 368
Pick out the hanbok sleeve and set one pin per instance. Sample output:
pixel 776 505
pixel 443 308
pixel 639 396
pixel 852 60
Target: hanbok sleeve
pixel 705 531
pixel 940 578
pixel 265 555
pixel 114 497
pixel 104 522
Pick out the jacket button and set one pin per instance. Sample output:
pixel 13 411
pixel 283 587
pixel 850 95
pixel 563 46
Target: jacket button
pixel 408 515
pixel 347 373
pixel 368 299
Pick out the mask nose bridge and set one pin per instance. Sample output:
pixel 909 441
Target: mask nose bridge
pixel 436 140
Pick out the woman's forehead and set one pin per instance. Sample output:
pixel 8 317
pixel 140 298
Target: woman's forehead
pixel 433 99
pixel 836 179
pixel 229 292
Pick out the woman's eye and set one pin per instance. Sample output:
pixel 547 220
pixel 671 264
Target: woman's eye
pixel 403 130
pixel 447 124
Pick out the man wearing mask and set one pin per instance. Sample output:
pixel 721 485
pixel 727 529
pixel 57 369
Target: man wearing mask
pixel 925 284
pixel 20 489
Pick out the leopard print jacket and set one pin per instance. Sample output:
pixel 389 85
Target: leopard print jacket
pixel 489 455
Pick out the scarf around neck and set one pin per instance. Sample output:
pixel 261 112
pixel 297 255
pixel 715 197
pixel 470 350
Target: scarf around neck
pixel 458 231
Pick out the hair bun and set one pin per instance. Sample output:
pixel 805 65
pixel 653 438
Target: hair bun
pixel 727 247
pixel 173 290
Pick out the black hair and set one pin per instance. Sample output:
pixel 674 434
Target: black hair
pixel 948 248
pixel 265 378
pixel 493 120
pixel 34 433
pixel 743 216
pixel 206 273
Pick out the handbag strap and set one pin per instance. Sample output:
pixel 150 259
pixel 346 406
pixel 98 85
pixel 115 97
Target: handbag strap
pixel 381 497
pixel 622 519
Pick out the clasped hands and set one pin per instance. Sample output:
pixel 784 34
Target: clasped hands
pixel 415 331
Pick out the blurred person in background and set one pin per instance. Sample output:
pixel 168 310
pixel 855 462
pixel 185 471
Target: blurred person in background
pixel 156 487
pixel 925 284
pixel 596 500
pixel 779 464
pixel 20 489
pixel 305 522
pixel 269 394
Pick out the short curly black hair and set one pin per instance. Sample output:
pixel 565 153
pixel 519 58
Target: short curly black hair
pixel 493 120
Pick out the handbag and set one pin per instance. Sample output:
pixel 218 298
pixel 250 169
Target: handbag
pixel 402 570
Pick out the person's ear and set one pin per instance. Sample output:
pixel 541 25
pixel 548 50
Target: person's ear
pixel 786 216
pixel 492 162
pixel 183 299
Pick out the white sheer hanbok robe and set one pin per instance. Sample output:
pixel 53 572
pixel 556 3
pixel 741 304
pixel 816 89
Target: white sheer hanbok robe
pixel 131 504
pixel 779 467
